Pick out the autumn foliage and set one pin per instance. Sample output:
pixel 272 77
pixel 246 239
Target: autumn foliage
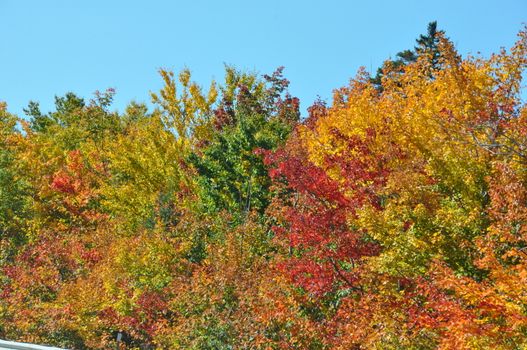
pixel 394 218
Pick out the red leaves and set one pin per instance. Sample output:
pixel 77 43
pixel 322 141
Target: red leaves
pixel 304 177
pixel 63 183
pixel 77 185
pixel 316 111
pixel 68 180
pixel 327 250
pixel 399 216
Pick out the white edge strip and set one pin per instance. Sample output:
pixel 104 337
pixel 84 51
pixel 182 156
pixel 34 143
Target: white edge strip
pixel 4 344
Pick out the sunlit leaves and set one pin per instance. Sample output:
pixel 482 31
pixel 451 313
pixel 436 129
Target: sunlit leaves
pixel 187 111
pixel 394 218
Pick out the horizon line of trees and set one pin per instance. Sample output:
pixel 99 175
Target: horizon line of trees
pixel 394 218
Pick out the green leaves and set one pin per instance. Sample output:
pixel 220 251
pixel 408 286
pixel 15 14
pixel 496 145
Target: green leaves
pixel 248 120
pixel 394 218
pixel 13 189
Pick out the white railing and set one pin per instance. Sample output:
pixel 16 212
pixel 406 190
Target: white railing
pixel 11 345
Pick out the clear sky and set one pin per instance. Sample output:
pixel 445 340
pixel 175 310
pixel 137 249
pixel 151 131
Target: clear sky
pixel 49 47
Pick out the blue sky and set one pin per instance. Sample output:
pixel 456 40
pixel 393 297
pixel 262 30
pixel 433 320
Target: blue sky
pixel 55 46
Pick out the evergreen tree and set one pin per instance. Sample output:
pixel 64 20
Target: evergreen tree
pixel 427 44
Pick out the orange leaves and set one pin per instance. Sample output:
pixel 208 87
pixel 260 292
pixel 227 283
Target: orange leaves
pixel 407 208
pixel 396 218
pixel 63 183
pixel 77 184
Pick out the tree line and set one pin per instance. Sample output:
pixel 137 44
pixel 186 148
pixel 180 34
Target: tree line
pixel 393 218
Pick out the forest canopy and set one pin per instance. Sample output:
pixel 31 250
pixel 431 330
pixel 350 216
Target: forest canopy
pixel 394 217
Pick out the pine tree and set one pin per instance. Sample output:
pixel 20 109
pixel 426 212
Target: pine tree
pixel 427 44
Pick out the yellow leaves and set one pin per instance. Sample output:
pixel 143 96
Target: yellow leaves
pixel 187 111
pixel 144 163
pixel 147 261
pixel 432 202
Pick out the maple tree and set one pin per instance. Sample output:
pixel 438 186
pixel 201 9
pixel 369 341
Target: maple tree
pixel 389 195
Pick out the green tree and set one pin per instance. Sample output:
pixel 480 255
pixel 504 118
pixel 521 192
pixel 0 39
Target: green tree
pixel 427 44
pixel 254 114
pixel 13 191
